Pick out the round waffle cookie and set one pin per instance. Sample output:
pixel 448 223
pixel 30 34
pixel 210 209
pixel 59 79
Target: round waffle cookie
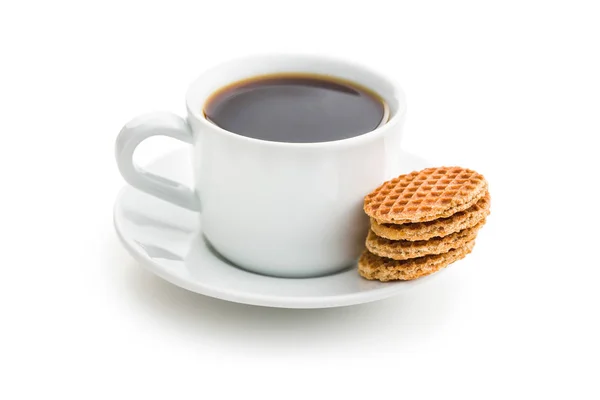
pixel 425 195
pixel 404 249
pixel 437 228
pixel 373 267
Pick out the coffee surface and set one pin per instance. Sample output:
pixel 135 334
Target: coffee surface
pixel 295 108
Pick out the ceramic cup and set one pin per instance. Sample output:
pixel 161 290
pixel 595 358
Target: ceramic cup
pixel 275 208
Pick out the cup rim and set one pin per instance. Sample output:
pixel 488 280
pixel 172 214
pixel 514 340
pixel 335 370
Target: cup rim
pixel 355 140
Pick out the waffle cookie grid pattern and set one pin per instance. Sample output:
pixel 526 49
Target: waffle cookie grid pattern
pixel 425 195
pixel 423 221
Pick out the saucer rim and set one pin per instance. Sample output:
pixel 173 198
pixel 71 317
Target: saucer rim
pixel 257 299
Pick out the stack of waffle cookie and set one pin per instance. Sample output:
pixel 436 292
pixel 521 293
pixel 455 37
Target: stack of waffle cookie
pixel 423 221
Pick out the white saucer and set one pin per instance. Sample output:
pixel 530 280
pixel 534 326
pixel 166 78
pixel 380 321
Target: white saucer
pixel 167 240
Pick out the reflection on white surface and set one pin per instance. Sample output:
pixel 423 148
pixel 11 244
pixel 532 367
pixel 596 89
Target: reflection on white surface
pixel 158 252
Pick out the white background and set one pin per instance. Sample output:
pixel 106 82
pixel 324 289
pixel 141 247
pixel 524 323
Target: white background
pixel 510 88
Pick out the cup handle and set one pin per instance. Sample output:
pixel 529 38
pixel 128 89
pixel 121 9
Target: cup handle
pixel 136 131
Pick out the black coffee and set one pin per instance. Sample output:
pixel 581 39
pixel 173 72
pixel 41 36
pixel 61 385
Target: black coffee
pixel 296 108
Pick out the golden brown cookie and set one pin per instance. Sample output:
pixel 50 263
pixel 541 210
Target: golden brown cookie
pixel 384 269
pixel 404 249
pixel 425 195
pixel 436 228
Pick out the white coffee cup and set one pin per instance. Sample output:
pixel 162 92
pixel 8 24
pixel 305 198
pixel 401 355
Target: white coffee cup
pixel 281 209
